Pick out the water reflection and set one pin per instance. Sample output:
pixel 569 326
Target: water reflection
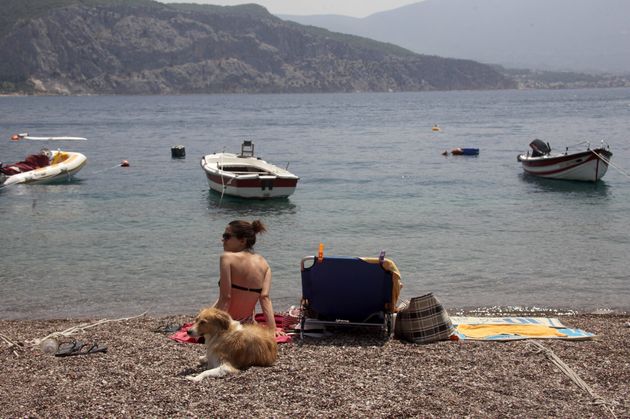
pixel 16 195
pixel 54 186
pixel 246 207
pixel 538 184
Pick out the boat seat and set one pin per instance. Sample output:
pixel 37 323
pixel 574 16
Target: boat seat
pixel 31 162
pixel 247 149
pixel 60 157
pixel 247 172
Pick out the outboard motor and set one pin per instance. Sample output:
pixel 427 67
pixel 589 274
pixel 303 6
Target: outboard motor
pixel 539 148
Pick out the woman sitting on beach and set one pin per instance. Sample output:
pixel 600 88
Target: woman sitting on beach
pixel 245 276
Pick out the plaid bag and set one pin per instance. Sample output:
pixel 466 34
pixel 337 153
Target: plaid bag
pixel 423 320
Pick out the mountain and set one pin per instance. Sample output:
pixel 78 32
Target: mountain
pixel 557 35
pixel 146 47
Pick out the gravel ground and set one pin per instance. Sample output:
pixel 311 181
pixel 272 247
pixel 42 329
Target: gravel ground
pixel 347 375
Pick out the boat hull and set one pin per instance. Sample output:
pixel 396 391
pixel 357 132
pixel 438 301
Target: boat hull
pixel 55 172
pixel 255 178
pixel 583 166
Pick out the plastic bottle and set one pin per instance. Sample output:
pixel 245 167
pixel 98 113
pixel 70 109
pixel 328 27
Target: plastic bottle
pixel 49 345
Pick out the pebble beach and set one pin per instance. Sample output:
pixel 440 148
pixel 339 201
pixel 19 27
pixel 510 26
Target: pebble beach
pixel 348 374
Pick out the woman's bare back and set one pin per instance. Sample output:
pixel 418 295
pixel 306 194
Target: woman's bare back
pixel 246 273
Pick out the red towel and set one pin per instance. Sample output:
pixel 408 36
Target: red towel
pixel 279 318
pixel 182 334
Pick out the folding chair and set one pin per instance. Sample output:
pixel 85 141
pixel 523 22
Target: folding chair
pixel 349 291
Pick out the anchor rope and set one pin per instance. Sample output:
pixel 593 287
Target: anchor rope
pixel 608 162
pixel 104 170
pixel 540 348
pixel 222 183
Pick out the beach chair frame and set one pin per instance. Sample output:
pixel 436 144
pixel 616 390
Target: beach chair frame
pixel 347 292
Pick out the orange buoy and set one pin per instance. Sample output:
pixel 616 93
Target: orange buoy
pixel 124 163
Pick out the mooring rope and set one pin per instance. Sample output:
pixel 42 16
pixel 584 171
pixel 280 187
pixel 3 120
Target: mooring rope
pixel 224 187
pixel 608 162
pixel 105 170
pixel 222 182
pixel 571 374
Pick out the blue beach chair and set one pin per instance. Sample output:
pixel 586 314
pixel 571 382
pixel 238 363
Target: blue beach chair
pixel 349 291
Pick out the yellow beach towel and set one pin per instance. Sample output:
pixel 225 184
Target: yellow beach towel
pixel 479 331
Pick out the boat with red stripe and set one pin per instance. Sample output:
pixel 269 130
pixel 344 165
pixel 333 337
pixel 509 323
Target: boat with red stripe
pixel 247 176
pixel 583 165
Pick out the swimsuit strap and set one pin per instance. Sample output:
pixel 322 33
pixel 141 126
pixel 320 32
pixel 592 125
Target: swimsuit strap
pixel 238 287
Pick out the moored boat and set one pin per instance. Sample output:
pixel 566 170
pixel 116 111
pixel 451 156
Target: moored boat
pixel 463 151
pixel 585 165
pixel 246 176
pixel 45 167
pixel 26 136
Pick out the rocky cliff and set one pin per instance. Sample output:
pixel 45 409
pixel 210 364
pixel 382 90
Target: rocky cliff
pixel 145 47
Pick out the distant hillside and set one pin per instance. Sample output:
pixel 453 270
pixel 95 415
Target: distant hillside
pixel 558 35
pixel 146 47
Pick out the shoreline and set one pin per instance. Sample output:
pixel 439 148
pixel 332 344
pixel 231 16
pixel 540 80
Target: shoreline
pixel 455 311
pixel 517 88
pixel 348 374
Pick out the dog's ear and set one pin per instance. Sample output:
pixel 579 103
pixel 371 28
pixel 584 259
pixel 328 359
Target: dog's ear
pixel 223 319
pixel 199 319
pixel 202 317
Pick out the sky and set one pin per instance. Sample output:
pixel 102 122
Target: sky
pixel 354 8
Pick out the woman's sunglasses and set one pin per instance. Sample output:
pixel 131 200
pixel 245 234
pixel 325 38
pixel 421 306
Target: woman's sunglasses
pixel 227 236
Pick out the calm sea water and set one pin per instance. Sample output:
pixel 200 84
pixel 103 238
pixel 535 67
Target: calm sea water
pixel 473 230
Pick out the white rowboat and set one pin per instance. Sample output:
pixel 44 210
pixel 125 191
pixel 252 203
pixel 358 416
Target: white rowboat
pixel 246 176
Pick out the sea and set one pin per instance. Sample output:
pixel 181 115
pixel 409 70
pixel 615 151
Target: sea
pixel 473 230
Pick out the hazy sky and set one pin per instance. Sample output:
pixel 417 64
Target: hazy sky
pixel 356 8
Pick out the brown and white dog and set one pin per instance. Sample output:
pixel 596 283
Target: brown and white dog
pixel 231 346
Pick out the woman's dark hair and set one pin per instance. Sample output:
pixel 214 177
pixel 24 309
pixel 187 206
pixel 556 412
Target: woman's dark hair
pixel 246 230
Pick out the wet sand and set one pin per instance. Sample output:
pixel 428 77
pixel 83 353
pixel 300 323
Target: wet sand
pixel 347 375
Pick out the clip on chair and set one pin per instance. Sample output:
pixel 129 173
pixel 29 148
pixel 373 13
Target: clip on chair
pixel 349 291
